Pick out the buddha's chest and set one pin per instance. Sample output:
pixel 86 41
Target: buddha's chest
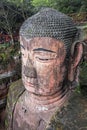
pixel 25 118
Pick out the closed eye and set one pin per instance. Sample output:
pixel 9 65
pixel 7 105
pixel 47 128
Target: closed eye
pixel 44 59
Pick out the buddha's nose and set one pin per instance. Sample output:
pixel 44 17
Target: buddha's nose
pixel 29 70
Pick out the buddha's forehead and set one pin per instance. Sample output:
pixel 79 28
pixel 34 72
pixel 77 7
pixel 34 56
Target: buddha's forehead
pixel 42 42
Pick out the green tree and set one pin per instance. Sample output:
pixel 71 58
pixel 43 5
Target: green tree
pixel 83 7
pixel 24 6
pixel 44 3
pixel 7 18
pixel 65 6
pixel 12 15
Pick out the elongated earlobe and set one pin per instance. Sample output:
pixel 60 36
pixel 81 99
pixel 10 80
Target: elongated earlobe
pixel 76 56
pixel 76 53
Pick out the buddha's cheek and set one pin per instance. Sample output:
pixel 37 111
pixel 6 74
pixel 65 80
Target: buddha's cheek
pixel 55 79
pixel 44 68
pixel 52 83
pixel 48 82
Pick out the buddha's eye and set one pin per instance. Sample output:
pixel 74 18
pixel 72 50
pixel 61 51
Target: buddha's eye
pixel 45 56
pixel 44 59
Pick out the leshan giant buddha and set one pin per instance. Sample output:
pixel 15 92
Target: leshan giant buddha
pixel 51 54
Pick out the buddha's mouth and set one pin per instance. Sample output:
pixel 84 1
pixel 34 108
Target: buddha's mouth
pixel 29 84
pixel 29 81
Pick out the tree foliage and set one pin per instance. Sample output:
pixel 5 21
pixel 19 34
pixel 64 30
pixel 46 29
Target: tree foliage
pixel 65 6
pixel 12 15
pixel 25 7
pixel 7 17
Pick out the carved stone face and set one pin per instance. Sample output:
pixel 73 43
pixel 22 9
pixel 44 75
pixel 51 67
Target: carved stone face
pixel 43 68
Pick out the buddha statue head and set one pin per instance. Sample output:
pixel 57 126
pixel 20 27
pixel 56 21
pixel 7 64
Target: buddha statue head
pixel 51 52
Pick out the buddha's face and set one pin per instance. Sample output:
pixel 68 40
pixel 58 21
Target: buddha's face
pixel 43 68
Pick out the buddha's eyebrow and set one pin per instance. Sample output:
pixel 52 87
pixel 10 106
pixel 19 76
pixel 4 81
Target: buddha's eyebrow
pixel 22 46
pixel 42 49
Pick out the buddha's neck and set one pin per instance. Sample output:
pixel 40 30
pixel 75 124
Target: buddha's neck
pixel 44 103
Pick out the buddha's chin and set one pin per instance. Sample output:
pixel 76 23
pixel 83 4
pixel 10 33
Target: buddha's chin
pixel 38 89
pixel 29 86
pixel 41 92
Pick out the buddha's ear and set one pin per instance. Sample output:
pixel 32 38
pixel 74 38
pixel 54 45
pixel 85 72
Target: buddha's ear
pixel 75 58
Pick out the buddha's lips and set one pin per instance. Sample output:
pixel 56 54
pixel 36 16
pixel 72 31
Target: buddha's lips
pixel 29 84
pixel 29 81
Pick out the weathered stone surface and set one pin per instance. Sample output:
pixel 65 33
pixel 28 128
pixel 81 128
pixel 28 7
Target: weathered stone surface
pixel 15 90
pixel 34 116
pixel 71 117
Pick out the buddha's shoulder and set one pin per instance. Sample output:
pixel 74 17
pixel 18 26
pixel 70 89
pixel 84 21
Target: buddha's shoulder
pixel 15 90
pixel 16 87
pixel 73 116
pixel 76 110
